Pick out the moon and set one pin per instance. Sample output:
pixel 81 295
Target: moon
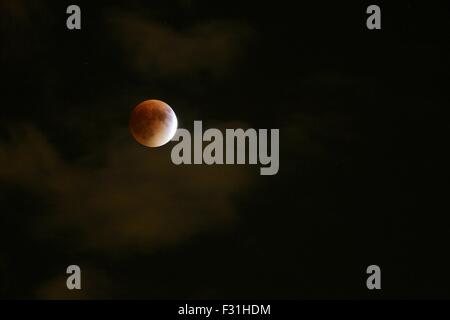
pixel 153 123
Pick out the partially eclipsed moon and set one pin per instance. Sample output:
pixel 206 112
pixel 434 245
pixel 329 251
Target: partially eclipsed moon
pixel 153 123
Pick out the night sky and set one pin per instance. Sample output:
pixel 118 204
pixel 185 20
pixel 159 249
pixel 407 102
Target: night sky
pixel 363 173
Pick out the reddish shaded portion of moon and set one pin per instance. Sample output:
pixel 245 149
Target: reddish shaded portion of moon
pixel 153 123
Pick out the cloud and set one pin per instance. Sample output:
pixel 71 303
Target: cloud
pixel 16 9
pixel 133 199
pixel 154 49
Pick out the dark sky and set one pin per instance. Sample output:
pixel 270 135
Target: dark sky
pixel 363 150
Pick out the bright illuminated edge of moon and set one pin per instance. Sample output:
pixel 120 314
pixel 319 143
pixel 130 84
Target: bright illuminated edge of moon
pixel 164 134
pixel 173 129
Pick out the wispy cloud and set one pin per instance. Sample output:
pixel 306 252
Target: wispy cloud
pixel 155 49
pixel 136 200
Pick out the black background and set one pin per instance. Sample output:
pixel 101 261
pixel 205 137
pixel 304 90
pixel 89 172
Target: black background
pixel 373 102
